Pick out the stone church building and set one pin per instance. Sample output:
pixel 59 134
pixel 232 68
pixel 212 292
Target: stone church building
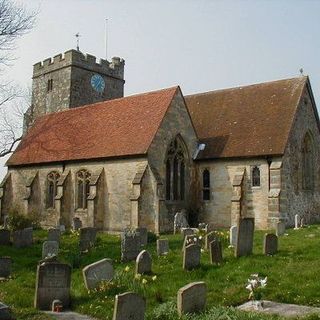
pixel 117 162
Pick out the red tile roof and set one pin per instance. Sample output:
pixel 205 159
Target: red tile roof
pixel 246 121
pixel 120 127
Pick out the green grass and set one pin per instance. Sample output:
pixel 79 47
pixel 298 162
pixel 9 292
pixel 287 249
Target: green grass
pixel 292 277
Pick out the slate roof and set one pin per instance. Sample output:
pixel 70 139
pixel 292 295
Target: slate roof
pixel 115 128
pixel 247 121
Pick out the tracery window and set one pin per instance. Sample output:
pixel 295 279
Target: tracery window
pixel 175 170
pixel 307 163
pixel 52 183
pixel 83 180
pixel 206 184
pixel 255 176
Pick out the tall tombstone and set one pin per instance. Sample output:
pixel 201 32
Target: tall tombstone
pixel 192 298
pixel 143 235
pixel 144 263
pixel 270 244
pixel 76 223
pixel 5 267
pixel 49 249
pixel 54 234
pixel 4 237
pixel 52 283
pixel 180 221
pixel 23 238
pixel 296 221
pixel 96 272
pixel 215 249
pixel 162 246
pixel 233 235
pixel 191 257
pixel 130 245
pixel 209 238
pixel 87 238
pixel 245 237
pixel 129 305
pixel 280 228
pixel 302 223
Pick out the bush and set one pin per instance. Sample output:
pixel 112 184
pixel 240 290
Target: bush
pixel 18 221
pixel 152 237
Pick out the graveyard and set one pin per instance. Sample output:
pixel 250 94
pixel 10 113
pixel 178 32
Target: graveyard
pixel 291 274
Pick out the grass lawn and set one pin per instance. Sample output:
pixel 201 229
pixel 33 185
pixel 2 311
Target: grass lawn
pixel 292 277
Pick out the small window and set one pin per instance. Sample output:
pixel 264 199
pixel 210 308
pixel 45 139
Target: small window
pixel 52 183
pixel 255 176
pixel 83 179
pixel 49 85
pixel 206 185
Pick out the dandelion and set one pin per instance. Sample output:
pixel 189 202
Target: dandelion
pixel 127 268
pixel 144 281
pixel 154 278
pixel 200 237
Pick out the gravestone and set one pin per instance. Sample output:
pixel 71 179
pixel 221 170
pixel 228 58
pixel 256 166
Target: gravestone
pixel 233 235
pixel 129 305
pixel 54 235
pixel 49 249
pixel 96 272
pixel 143 235
pixel 52 283
pixel 191 257
pixel 62 228
pixel 162 247
pixel 192 298
pixel 143 263
pixel 23 238
pixel 4 237
pixel 87 238
pixel 191 239
pixel 130 245
pixel 5 312
pixel 5 267
pixel 187 232
pixel 280 228
pixel 302 224
pixel 215 249
pixel 270 244
pixel 209 238
pixel 296 221
pixel 245 237
pixel 180 221
pixel 77 223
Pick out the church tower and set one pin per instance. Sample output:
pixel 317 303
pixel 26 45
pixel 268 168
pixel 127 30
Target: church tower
pixel 72 80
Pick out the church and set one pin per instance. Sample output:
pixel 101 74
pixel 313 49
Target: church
pixel 117 162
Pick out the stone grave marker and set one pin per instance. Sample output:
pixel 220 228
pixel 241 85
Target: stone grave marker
pixel 96 272
pixel 4 237
pixel 77 223
pixel 62 228
pixel 129 305
pixel 143 235
pixel 52 283
pixel 280 228
pixel 245 237
pixel 49 249
pixel 54 234
pixel 5 267
pixel 270 244
pixel 5 312
pixel 215 249
pixel 187 232
pixel 233 235
pixel 209 238
pixel 192 298
pixel 162 246
pixel 180 221
pixel 23 238
pixel 87 238
pixel 191 257
pixel 191 239
pixel 130 245
pixel 296 221
pixel 302 223
pixel 144 263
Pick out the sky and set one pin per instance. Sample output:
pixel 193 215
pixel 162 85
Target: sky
pixel 200 45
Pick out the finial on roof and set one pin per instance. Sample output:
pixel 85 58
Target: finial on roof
pixel 77 35
pixel 301 72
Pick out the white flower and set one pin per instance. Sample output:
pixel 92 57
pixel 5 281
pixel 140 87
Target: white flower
pixel 195 239
pixel 249 287
pixel 263 282
pixel 200 237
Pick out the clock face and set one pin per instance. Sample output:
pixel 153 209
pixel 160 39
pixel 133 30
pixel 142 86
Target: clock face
pixel 97 83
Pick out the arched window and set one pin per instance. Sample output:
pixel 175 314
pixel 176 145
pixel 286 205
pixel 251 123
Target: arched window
pixel 175 171
pixel 206 184
pixel 83 179
pixel 307 163
pixel 255 176
pixel 52 182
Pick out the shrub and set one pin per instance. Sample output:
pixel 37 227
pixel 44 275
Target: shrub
pixel 152 237
pixel 18 221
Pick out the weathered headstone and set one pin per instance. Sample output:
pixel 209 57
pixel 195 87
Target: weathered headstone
pixel 280 228
pixel 5 312
pixel 62 228
pixel 49 249
pixel 302 223
pixel 130 245
pixel 233 235
pixel 87 238
pixel 96 272
pixel 23 238
pixel 191 239
pixel 192 298
pixel 52 283
pixel 5 267
pixel 180 221
pixel 143 263
pixel 4 237
pixel 209 238
pixel 143 235
pixel 162 246
pixel 54 235
pixel 191 257
pixel 245 237
pixel 129 305
pixel 77 223
pixel 215 248
pixel 187 232
pixel 296 221
pixel 270 244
